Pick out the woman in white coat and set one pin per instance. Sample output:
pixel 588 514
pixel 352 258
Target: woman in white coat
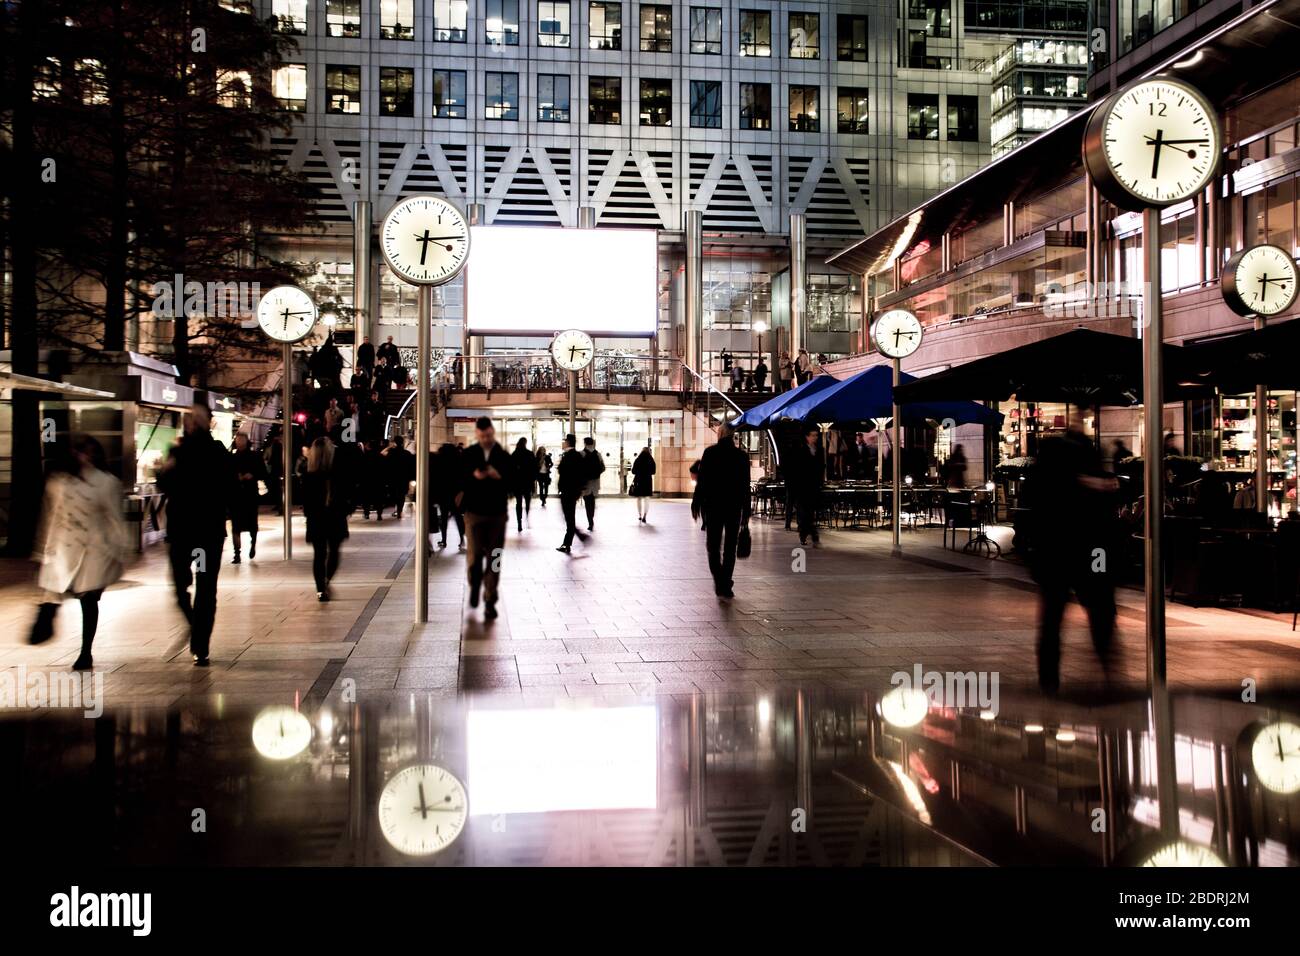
pixel 81 542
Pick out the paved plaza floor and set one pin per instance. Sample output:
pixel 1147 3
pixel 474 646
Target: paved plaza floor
pixel 632 613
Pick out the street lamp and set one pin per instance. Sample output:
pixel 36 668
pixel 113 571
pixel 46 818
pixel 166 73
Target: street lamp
pixel 760 327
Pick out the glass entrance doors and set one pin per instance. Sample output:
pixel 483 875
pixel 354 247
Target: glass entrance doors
pixel 619 441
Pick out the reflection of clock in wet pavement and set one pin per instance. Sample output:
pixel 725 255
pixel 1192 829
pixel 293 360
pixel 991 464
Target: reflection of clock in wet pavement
pixel 1182 853
pixel 1275 757
pixel 422 809
pixel 280 733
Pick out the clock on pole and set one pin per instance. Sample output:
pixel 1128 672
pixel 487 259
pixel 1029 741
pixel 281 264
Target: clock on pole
pixel 573 350
pixel 1259 280
pixel 287 314
pixel 423 809
pixel 425 241
pixel 897 334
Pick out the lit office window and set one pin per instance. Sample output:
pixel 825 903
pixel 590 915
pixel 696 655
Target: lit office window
pixel 343 18
pixel 937 15
pixel 553 23
pixel 342 89
pixel 289 87
pixel 501 96
pixel 605 26
pixel 604 100
pixel 851 38
pixel 804 101
pixel 502 23
pixel 706 30
pixel 851 110
pixel 706 104
pixel 290 15
pixel 656 102
pixel 755 33
pixel 449 94
pixel 234 88
pixel 47 79
pixel 805 36
pixel 656 28
pixel 396 91
pixel 92 82
pixel 755 106
pixel 963 118
pixel 553 97
pixel 450 18
pixel 397 19
pixel 922 116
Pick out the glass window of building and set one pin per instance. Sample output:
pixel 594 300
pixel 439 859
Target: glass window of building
pixel 755 33
pixel 922 116
pixel 501 96
pixel 290 15
pixel 706 104
pixel 342 89
pixel 501 26
pixel 832 303
pixel 706 30
pixel 755 106
pixel 805 36
pixel 963 118
pixel 851 110
pixel 450 20
pixel 397 19
pixel 343 18
pixel 396 91
pixel 553 97
pixel 289 87
pixel 605 26
pixel 553 23
pixel 605 100
pixel 656 102
pixel 937 15
pixel 235 88
pixel 803 109
pixel 656 28
pixel 449 94
pixel 851 38
pixel 737 293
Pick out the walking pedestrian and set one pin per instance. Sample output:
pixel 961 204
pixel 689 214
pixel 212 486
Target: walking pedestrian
pixel 325 505
pixel 573 481
pixel 807 474
pixel 249 470
pixel 401 469
pixel 544 466
pixel 486 466
pixel 198 478
pixel 523 475
pixel 722 500
pixel 81 542
pixel 595 468
pixel 643 471
pixel 445 486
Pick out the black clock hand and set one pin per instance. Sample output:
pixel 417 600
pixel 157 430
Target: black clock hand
pixel 424 808
pixel 1155 159
pixel 1280 754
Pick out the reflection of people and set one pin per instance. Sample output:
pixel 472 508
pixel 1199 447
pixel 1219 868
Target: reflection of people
pixel 722 500
pixel 485 466
pixel 643 471
pixel 1070 530
pixel 81 542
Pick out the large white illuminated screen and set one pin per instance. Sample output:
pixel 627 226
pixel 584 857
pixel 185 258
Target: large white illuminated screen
pixel 536 761
pixel 536 280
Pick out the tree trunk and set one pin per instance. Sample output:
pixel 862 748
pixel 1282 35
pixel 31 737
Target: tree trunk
pixel 115 259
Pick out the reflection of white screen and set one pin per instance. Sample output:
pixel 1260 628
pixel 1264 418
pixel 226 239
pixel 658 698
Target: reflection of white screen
pixel 534 761
pixel 529 279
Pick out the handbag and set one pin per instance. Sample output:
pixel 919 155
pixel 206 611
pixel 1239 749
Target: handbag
pixel 743 542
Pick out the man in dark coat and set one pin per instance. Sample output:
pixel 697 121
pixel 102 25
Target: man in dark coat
pixel 388 352
pixel 486 467
pixel 199 481
pixel 574 473
pixel 366 356
pixel 722 499
pixel 806 473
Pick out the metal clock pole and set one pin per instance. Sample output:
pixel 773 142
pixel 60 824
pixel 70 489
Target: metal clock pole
pixel 286 449
pixel 1261 440
pixel 898 464
pixel 423 411
pixel 573 403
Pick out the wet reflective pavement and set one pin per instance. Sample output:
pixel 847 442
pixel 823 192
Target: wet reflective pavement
pixel 786 778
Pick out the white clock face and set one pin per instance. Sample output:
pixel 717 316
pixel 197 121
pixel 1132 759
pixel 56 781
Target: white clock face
pixel 1275 756
pixel 425 240
pixel 1264 281
pixel 280 733
pixel 1182 853
pixel 897 333
pixel 572 350
pixel 905 706
pixel 422 809
pixel 1160 140
pixel 286 314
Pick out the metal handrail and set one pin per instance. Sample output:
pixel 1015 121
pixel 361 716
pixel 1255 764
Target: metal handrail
pixel 434 372
pixel 710 387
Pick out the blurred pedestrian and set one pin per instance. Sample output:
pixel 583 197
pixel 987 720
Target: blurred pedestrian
pixel 445 485
pixel 249 470
pixel 572 469
pixel 722 500
pixel 81 542
pixel 643 471
pixel 486 467
pixel 325 505
pixel 806 475
pixel 544 466
pixel 523 475
pixel 595 468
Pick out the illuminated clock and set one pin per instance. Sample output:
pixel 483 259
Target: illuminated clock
pixel 1182 853
pixel 572 350
pixel 1152 144
pixel 425 240
pixel 1259 280
pixel 904 706
pixel 1275 755
pixel 897 333
pixel 422 809
pixel 280 733
pixel 286 314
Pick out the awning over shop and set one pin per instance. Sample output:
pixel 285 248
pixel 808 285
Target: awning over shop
pixel 870 395
pixel 762 416
pixel 1237 363
pixel 35 384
